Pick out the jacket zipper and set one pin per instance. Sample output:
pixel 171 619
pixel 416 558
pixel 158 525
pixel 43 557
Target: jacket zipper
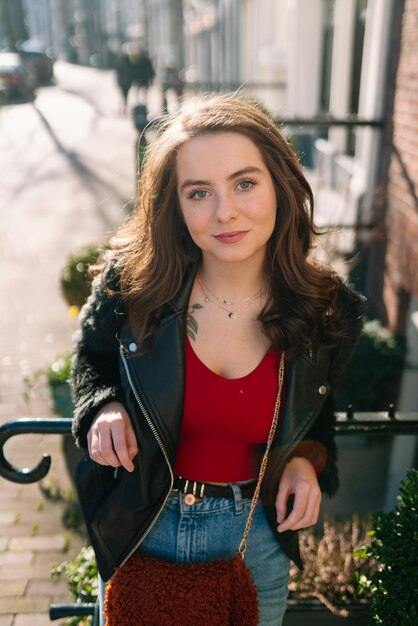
pixel 162 447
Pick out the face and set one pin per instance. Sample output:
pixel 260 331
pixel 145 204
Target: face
pixel 227 197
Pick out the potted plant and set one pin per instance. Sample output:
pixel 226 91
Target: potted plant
pixel 327 592
pixel 57 375
pixel 373 376
pixel 52 381
pixel 81 577
pixel 371 383
pixel 393 585
pixel 75 279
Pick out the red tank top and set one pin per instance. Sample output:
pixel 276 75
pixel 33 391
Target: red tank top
pixel 225 421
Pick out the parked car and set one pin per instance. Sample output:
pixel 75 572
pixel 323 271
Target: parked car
pixel 16 79
pixel 39 63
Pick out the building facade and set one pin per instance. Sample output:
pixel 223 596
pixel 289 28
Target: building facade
pixel 394 268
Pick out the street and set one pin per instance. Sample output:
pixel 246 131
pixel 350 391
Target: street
pixel 67 170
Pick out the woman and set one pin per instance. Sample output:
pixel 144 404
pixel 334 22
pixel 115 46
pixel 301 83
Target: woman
pixel 175 375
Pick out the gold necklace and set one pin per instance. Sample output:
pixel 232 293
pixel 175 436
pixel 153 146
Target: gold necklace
pixel 219 302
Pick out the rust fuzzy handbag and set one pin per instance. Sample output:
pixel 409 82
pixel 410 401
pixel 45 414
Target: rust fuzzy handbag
pixel 221 592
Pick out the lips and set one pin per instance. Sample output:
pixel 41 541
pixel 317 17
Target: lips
pixel 232 237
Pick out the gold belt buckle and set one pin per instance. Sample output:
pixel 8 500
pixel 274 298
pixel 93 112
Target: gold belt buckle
pixel 190 498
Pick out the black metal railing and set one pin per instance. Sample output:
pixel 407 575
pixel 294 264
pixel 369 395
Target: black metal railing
pixel 80 609
pixel 319 121
pixel 328 121
pixel 32 426
pixel 377 423
pixel 348 423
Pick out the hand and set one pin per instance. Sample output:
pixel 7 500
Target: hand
pixel 111 439
pixel 299 479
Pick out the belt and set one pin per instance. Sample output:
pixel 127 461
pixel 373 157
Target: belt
pixel 199 489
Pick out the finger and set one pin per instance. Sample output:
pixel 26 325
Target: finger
pixel 94 447
pixel 306 514
pixel 95 454
pixel 317 509
pixel 97 458
pixel 311 515
pixel 120 445
pixel 92 441
pixel 281 501
pixel 131 442
pixel 312 511
pixel 106 447
pixel 298 511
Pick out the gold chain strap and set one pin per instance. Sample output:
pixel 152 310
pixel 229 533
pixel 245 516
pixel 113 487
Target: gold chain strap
pixel 243 543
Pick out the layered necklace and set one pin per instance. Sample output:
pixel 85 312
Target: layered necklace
pixel 232 308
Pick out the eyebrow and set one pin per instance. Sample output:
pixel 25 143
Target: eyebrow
pixel 246 170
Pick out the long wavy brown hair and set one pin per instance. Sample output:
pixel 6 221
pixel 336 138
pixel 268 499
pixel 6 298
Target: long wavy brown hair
pixel 154 249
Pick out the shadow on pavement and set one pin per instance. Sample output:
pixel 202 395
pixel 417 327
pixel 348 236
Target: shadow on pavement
pixel 97 184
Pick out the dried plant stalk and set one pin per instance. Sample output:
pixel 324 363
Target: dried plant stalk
pixel 332 571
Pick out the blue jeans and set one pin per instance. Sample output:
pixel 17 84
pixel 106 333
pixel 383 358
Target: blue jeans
pixel 212 528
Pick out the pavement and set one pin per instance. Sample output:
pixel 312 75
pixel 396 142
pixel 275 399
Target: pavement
pixel 33 540
pixel 67 166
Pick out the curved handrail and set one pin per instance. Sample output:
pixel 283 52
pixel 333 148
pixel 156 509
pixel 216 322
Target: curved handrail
pixel 25 426
pixel 346 424
pixel 58 611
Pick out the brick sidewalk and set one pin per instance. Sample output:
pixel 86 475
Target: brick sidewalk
pixel 32 540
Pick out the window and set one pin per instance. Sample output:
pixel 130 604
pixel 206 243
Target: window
pixel 359 28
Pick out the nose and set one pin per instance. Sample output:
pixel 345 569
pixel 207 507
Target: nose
pixel 226 209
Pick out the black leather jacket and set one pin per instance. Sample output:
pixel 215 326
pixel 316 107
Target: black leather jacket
pixel 119 507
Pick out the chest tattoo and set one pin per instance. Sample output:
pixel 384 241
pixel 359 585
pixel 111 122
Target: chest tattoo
pixel 192 325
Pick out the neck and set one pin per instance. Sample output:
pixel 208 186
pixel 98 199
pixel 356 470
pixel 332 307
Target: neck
pixel 233 280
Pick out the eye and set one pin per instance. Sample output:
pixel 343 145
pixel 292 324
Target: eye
pixel 246 185
pixel 199 194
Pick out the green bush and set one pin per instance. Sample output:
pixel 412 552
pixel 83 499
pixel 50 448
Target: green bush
pixel 394 599
pixel 75 279
pixel 373 376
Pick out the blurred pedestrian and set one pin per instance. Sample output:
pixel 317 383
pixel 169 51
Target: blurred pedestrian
pixel 171 82
pixel 140 116
pixel 124 75
pixel 143 73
